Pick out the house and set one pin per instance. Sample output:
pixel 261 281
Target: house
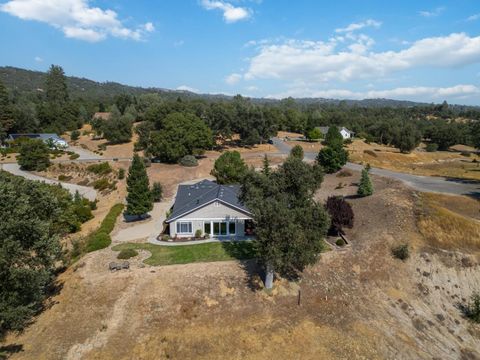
pixel 213 209
pixel 52 140
pixel 346 134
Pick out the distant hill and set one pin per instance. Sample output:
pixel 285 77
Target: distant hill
pixel 23 81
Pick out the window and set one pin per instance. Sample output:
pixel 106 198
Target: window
pixel 231 228
pixel 207 228
pixel 184 227
pixel 219 228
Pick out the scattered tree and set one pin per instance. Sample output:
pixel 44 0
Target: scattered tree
pixel 365 188
pixel 157 192
pixel 229 168
pixel 333 138
pixel 340 212
pixel 407 139
pixel 139 198
pixel 332 159
pixel 289 225
pixel 266 166
pixel 34 155
pixel 314 134
pixel 297 152
pixel 74 135
pixel 118 128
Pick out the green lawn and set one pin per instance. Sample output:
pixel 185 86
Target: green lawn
pixel 184 254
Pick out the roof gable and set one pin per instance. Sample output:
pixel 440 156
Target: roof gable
pixel 192 197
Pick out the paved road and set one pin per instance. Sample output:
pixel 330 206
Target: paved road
pixel 420 183
pixel 85 191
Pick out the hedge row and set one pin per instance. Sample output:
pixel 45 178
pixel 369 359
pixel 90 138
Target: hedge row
pixel 101 239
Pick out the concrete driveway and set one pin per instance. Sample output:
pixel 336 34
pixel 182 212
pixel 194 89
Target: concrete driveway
pixel 85 191
pixel 421 183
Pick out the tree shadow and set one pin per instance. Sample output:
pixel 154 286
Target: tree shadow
pixel 244 252
pixel 8 350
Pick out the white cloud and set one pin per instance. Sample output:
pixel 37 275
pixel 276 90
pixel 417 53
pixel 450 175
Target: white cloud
pixel 413 93
pixel 231 13
pixel 38 59
pixel 432 13
pixel 187 88
pixel 232 79
pixel 358 26
pixel 473 17
pixel 317 61
pixel 75 18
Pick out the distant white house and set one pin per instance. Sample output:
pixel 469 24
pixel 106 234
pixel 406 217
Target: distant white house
pixel 210 209
pixel 346 134
pixel 52 140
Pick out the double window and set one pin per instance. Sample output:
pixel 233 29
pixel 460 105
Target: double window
pixel 184 227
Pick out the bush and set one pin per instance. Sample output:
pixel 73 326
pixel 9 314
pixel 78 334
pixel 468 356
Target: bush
pixel 472 310
pixel 466 153
pixel 62 177
pixel 188 160
pixel 75 135
pixel 198 234
pixel 74 157
pixel 100 239
pixel 103 168
pixel 340 242
pixel 121 174
pixel 401 252
pixel 297 152
pixel 157 192
pixel 101 184
pixel 126 254
pixel 344 173
pixel 332 159
pixel 431 147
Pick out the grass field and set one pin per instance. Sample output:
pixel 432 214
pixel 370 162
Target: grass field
pixel 185 254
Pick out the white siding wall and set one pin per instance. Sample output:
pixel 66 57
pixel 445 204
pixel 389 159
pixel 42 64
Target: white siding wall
pixel 211 213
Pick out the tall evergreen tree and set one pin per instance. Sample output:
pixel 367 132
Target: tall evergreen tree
pixel 266 166
pixel 56 85
pixel 333 137
pixel 365 188
pixel 139 198
pixel 6 112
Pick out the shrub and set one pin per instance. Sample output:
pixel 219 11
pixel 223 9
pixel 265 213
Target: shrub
pixel 188 160
pixel 198 233
pixel 472 310
pixel 401 252
pixel 431 147
pixel 103 168
pixel 157 192
pixel 370 152
pixel 74 157
pixel 344 173
pixel 297 152
pixel 62 177
pixel 121 174
pixel 126 254
pixel 100 239
pixel 75 135
pixel 332 159
pixel 102 147
pixel 466 153
pixel 101 184
pixel 340 242
pixel 165 237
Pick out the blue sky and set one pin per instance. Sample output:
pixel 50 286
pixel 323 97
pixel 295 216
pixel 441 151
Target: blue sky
pixel 414 50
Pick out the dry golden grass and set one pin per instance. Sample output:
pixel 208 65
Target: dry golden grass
pixel 439 163
pixel 445 228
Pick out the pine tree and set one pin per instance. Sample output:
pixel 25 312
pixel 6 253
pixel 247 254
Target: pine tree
pixel 266 166
pixel 56 85
pixel 366 187
pixel 6 112
pixel 139 198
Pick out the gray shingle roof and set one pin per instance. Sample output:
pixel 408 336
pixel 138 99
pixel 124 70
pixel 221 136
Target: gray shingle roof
pixel 192 197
